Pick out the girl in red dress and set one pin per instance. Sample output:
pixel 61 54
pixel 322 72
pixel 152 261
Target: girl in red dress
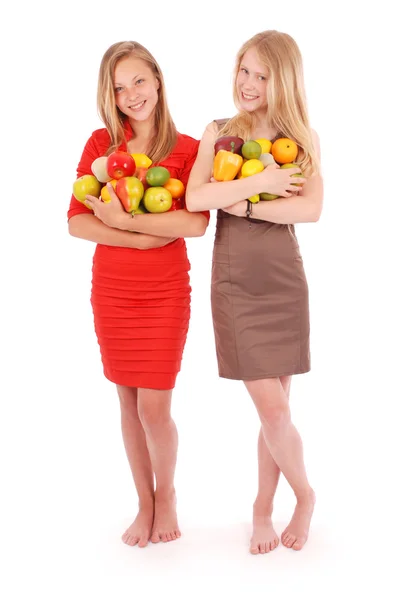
pixel 140 281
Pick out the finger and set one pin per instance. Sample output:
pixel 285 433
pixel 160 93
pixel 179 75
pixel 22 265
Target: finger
pixel 273 166
pixel 293 170
pixel 112 192
pixel 293 189
pixel 212 180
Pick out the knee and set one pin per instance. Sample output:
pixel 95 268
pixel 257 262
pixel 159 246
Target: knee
pixel 128 401
pixel 153 414
pixel 276 417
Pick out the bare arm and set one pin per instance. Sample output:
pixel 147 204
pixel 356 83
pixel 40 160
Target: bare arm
pixel 177 223
pixel 88 227
pixel 203 195
pixel 174 224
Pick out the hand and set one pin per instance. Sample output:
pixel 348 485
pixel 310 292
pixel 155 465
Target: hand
pixel 280 181
pixel 238 209
pixel 111 213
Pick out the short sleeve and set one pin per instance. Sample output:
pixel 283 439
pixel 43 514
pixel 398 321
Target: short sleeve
pixel 91 151
pixel 189 163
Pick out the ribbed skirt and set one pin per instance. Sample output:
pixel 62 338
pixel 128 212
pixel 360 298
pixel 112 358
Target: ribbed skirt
pixel 141 308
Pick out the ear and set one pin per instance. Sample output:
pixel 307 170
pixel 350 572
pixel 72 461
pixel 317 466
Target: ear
pixel 157 83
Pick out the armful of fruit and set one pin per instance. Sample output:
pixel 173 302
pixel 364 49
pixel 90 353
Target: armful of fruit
pixel 236 159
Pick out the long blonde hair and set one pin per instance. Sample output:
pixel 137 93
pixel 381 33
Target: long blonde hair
pixel 286 100
pixel 166 132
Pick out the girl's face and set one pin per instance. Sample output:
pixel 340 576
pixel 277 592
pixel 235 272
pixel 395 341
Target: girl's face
pixel 135 88
pixel 251 82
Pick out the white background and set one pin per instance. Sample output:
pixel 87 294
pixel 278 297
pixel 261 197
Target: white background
pixel 67 494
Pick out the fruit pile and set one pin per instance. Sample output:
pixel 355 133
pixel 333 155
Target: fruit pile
pixel 139 187
pixel 234 159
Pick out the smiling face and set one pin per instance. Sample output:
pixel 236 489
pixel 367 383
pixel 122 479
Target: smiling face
pixel 135 88
pixel 251 83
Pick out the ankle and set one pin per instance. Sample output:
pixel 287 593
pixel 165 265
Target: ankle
pixel 163 494
pixel 306 496
pixel 146 503
pixel 263 506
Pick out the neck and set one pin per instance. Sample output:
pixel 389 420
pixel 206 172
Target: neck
pixel 142 130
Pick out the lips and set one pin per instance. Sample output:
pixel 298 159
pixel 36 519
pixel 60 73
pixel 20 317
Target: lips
pixel 248 97
pixel 137 106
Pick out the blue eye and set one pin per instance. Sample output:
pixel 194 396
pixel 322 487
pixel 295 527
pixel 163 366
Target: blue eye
pixel 140 81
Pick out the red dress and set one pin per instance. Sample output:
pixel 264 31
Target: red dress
pixel 140 298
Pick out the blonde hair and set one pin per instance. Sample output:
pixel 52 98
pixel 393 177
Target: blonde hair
pixel 286 100
pixel 166 132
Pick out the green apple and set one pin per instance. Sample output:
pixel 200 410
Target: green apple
pixel 157 199
pixel 293 166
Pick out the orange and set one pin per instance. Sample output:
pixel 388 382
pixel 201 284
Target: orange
pixel 175 187
pixel 104 192
pixel 284 150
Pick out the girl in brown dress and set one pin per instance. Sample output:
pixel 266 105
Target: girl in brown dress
pixel 259 290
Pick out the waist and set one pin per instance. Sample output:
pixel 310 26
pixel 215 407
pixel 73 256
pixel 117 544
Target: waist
pixel 175 251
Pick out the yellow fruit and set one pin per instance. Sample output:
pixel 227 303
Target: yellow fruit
pixel 141 160
pixel 251 167
pixel 254 198
pixel 264 144
pixel 105 192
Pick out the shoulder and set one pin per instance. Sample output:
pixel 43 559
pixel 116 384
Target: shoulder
pixel 101 137
pixel 185 143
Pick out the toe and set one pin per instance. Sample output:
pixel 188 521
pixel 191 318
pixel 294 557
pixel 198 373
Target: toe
pixel 173 535
pixel 155 538
pixel 164 537
pixel 169 537
pixel 298 544
pixel 143 542
pixel 254 549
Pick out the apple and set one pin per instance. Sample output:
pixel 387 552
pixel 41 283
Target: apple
pixel 99 169
pixel 86 185
pixel 130 192
pixel 120 164
pixel 229 142
pixel 157 200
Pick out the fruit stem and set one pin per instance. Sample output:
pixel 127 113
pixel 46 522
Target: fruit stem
pixel 232 144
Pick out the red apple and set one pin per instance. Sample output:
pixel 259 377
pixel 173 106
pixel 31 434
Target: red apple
pixel 120 164
pixel 230 143
pixel 130 192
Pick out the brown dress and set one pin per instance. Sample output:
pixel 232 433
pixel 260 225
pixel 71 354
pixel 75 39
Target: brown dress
pixel 259 299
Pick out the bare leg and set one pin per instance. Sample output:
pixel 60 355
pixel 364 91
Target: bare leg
pixel 162 441
pixel 264 538
pixel 285 447
pixel 141 468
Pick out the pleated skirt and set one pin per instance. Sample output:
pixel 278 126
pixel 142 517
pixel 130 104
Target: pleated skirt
pixel 141 309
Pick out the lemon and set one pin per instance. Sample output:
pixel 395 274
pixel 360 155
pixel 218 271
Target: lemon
pixel 264 144
pixel 254 198
pixel 141 160
pixel 251 167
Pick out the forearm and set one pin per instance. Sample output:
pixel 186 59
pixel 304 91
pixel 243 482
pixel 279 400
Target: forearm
pixel 221 194
pixel 296 209
pixel 88 227
pixel 176 224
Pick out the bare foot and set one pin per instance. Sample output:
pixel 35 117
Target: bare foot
pixel 165 526
pixel 139 531
pixel 296 534
pixel 264 538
